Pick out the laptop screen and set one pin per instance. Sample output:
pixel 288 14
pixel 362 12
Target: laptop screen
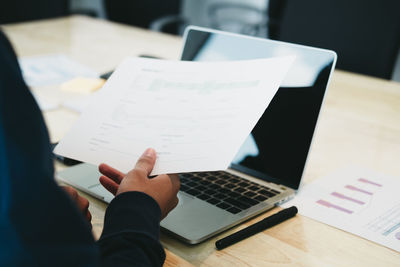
pixel 277 148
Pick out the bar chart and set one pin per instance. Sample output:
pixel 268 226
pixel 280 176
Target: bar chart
pixel 352 197
pixel 357 200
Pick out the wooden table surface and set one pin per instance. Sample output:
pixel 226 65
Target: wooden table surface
pixel 359 125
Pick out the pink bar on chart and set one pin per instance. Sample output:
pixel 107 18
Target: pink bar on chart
pixel 351 187
pixel 363 180
pixel 330 205
pixel 336 194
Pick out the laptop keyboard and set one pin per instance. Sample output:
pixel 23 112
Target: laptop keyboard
pixel 224 190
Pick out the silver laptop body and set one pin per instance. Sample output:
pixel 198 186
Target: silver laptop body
pixel 274 155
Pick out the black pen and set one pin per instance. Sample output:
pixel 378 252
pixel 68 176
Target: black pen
pixel 256 228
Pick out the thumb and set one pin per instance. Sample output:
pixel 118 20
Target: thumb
pixel 146 161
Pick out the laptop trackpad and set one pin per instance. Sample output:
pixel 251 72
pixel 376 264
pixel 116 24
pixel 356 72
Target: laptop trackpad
pixel 194 219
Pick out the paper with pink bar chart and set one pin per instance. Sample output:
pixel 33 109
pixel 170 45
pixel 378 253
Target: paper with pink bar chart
pixel 356 200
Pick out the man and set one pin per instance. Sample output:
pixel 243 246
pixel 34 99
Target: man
pixel 40 224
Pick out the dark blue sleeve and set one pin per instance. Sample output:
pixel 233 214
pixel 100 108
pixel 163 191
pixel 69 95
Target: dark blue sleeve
pixel 39 224
pixel 131 227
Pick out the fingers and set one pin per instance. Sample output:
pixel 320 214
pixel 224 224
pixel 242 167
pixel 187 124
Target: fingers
pixel 146 161
pixel 111 173
pixel 70 191
pixel 109 184
pixel 83 203
pixel 88 216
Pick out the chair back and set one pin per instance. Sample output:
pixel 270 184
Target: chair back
pixel 13 11
pixel 364 33
pixel 141 13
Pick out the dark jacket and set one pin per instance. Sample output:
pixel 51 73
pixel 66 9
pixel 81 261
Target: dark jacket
pixel 39 224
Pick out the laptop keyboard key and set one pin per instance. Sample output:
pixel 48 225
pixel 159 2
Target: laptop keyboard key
pixel 233 210
pixel 191 183
pixel 223 205
pixel 213 201
pixel 201 188
pixel 239 190
pixel 193 192
pixel 248 200
pixel 210 192
pixel 230 186
pixel 203 196
pixel 205 182
pixel 236 203
pixel 214 186
pixel 253 188
pixel 250 194
pixel 243 184
pixel 183 180
pixel 234 180
pixel 221 182
pixel 220 196
pixel 270 194
pixel 233 194
pixel 260 198
pixel 266 193
pixel 224 190
pixel 211 178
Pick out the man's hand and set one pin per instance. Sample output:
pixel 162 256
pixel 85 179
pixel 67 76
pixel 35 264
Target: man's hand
pixel 81 202
pixel 162 188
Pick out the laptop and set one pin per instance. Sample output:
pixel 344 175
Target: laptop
pixel 268 168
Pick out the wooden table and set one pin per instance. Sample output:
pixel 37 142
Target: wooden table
pixel 360 124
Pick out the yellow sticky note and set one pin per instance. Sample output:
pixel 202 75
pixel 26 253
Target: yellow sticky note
pixel 83 85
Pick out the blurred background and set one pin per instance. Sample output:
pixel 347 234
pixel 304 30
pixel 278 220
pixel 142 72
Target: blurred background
pixel 364 33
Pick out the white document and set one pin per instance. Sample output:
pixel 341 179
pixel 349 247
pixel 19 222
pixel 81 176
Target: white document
pixel 356 200
pixel 195 115
pixel 52 70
